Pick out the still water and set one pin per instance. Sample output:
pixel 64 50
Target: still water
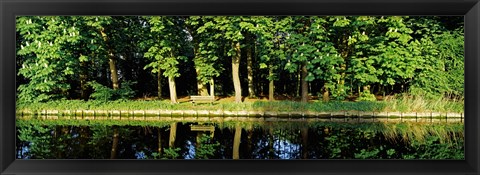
pixel 268 140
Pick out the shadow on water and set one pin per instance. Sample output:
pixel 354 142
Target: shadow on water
pixel 255 140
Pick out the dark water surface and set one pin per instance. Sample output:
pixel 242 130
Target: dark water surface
pixel 268 140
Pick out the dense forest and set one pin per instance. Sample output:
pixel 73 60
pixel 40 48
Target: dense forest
pixel 294 57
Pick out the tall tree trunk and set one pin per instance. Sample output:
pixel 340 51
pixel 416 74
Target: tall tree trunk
pixel 304 133
pixel 251 88
pixel 235 72
pixel 113 153
pixel 173 90
pixel 173 135
pixel 298 87
pixel 212 87
pixel 271 86
pixel 113 71
pixel 159 83
pixel 236 141
pixel 325 96
pixel 111 61
pixel 343 77
pixel 304 83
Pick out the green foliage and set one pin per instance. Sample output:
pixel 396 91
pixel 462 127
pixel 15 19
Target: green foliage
pixel 338 145
pixel 339 92
pixel 435 149
pixel 101 136
pixel 366 96
pixel 155 155
pixel 448 65
pixel 39 139
pixel 170 153
pixel 166 45
pixel 125 91
pixel 102 93
pixel 206 149
pixel 379 141
pixel 207 47
pixel 419 55
pixel 44 62
pixel 105 94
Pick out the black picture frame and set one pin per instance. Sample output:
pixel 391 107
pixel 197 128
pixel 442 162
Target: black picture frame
pixel 11 8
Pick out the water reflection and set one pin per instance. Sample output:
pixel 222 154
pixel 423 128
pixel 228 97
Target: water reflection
pixel 269 140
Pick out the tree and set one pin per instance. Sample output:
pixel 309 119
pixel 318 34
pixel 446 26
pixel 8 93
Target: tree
pixel 397 61
pixel 47 60
pixel 132 39
pixel 165 52
pixel 451 47
pixel 231 31
pixel 334 57
pixel 363 67
pixel 249 28
pixel 309 44
pixel 272 35
pixel 440 46
pixel 104 25
pixel 206 45
pixel 268 43
pixel 302 51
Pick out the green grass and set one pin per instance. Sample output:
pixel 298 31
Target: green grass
pixel 420 104
pixel 401 104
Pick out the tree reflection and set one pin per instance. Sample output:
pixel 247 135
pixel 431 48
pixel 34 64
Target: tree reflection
pixel 268 140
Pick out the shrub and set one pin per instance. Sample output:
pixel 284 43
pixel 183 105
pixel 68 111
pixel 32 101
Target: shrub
pixel 366 96
pixel 104 93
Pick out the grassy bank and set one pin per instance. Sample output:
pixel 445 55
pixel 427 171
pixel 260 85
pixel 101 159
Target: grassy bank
pixel 389 105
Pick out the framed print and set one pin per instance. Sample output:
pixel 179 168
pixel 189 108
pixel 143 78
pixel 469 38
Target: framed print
pixel 250 87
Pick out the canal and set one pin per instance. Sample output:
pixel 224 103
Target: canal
pixel 42 139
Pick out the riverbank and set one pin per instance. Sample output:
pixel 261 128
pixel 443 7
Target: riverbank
pixel 239 116
pixel 404 105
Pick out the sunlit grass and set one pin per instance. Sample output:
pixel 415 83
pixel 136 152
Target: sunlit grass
pixel 420 104
pixel 393 104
